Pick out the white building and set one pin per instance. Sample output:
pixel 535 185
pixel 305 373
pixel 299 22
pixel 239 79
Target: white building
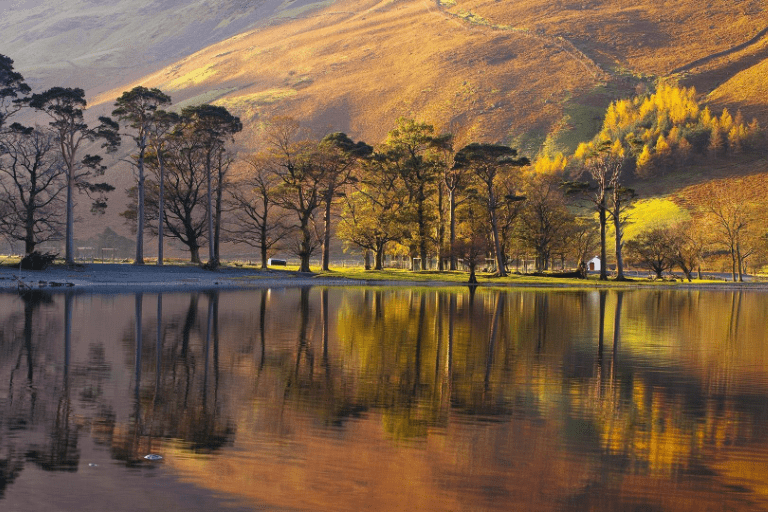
pixel 593 265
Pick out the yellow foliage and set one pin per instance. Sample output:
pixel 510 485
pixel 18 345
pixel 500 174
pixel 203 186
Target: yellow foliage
pixel 645 157
pixel 546 165
pixel 618 148
pixel 662 147
pixel 583 151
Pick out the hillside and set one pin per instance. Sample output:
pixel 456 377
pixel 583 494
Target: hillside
pixel 99 45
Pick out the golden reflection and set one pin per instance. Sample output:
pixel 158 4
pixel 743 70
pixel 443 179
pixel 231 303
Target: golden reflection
pixel 403 399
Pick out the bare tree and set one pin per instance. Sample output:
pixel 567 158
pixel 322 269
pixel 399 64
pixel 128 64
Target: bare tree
pixel 259 222
pixel 33 180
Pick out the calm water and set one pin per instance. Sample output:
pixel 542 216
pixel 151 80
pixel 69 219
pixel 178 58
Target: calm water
pixel 385 399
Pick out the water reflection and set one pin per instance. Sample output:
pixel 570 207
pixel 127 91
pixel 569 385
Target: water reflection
pixel 326 398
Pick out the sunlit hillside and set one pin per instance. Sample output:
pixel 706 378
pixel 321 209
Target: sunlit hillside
pixel 98 45
pixel 358 65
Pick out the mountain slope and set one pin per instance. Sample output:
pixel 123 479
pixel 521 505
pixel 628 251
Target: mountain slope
pixel 96 45
pixel 357 66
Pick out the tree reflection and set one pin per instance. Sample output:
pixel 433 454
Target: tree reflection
pixel 60 452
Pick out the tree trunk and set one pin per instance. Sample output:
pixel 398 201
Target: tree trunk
pixel 367 259
pixel 472 275
pixel 140 214
pixel 501 270
pixel 70 241
pixel 739 262
pixel 217 225
pixel 194 253
pixel 327 236
pixel 422 237
pixel 161 209
pixel 440 229
pixel 603 257
pixel 263 229
pixel 29 234
pixel 378 263
pixel 304 266
pixel 619 245
pixel 452 230
pixel 209 196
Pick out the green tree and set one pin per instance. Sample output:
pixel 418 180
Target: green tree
pixel 137 108
pixel 339 157
pixel 486 163
pixel 408 154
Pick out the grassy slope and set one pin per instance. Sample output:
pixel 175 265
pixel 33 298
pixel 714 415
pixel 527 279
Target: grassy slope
pixel 359 65
pixel 97 45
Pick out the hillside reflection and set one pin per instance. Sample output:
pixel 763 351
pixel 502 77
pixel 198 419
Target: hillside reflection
pixel 407 399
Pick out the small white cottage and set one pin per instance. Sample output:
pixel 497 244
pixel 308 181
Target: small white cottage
pixel 593 265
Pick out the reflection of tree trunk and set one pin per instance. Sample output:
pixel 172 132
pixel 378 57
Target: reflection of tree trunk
pixel 501 297
pixel 303 323
pixel 215 346
pixel 449 359
pixel 419 342
pixel 324 314
pixel 262 325
pixel 616 331
pixel 735 314
pixel 542 316
pixel 159 345
pixel 189 323
pixel 139 340
pixel 601 328
pixel 207 351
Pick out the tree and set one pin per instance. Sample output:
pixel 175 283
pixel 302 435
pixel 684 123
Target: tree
pixel 161 125
pixel 582 238
pixel 486 162
pixel 340 156
pixel 212 127
pixel 184 211
pixel 369 220
pixel 65 107
pixel 472 238
pixel 734 221
pixel 253 204
pixel 544 217
pixel 651 250
pixel 406 154
pixel 12 90
pixel 31 189
pixel 686 245
pixel 620 198
pixel 137 109
pixel 300 181
pixel 603 167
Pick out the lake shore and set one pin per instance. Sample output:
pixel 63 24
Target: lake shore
pixel 115 277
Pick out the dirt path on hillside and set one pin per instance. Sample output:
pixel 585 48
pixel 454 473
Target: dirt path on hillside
pixel 579 56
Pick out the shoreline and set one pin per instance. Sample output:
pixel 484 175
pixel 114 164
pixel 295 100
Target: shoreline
pixel 118 278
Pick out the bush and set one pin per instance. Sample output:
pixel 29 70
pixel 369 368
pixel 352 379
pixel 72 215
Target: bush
pixel 37 261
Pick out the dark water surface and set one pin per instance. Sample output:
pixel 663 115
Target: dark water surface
pixel 349 399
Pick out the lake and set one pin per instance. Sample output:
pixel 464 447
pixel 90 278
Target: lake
pixel 385 399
